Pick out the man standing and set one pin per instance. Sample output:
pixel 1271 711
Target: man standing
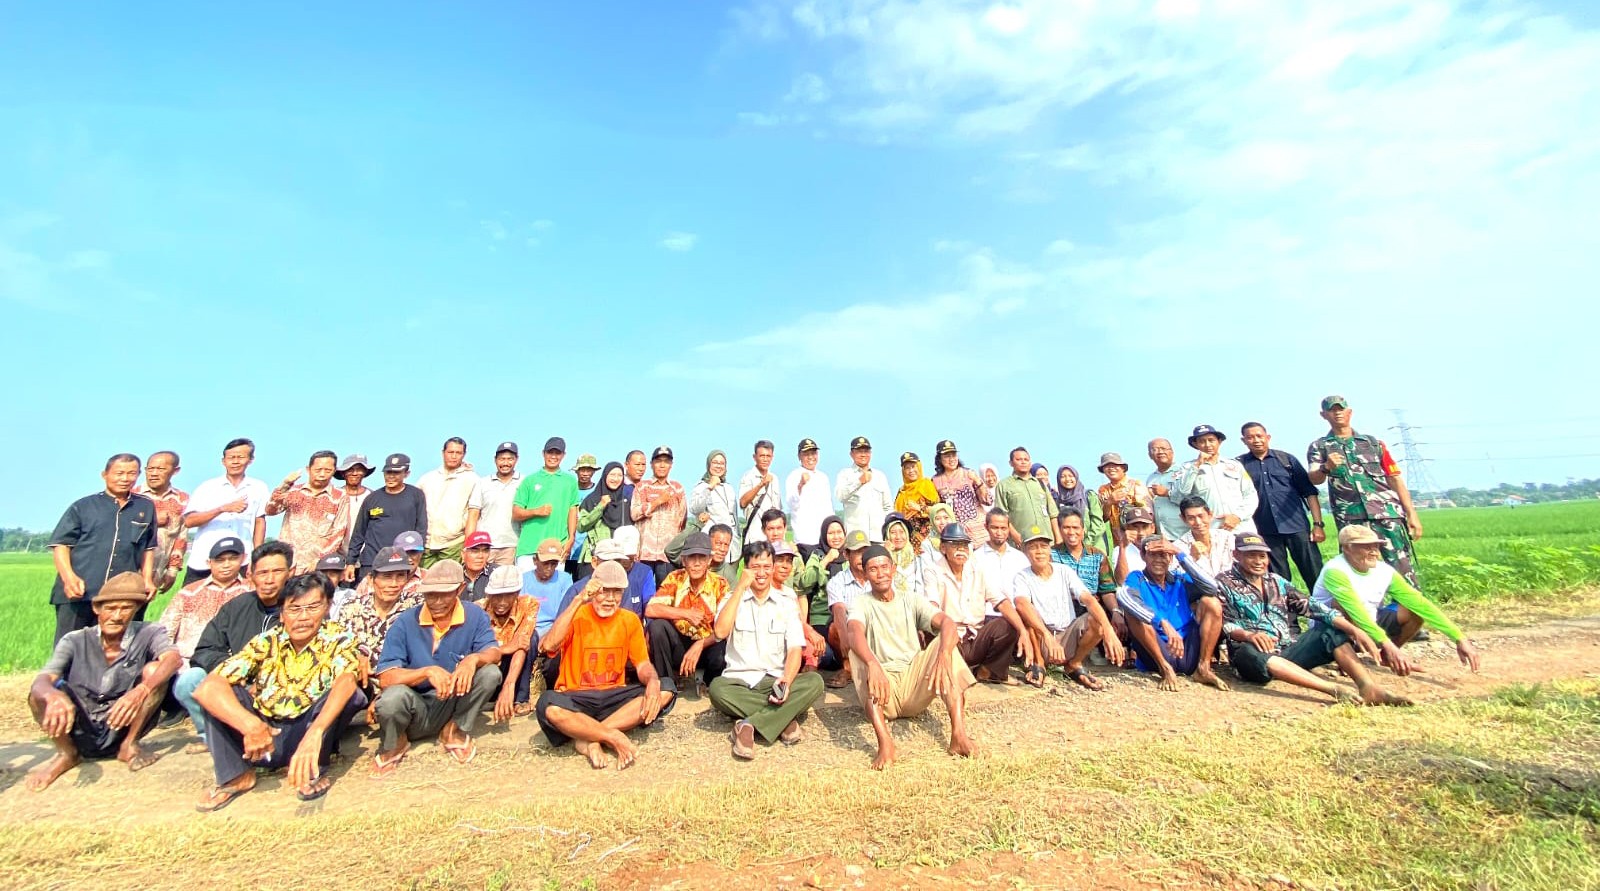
pixel 496 495
pixel 865 498
pixel 99 536
pixel 100 690
pixel 1284 493
pixel 1063 617
pixel 546 505
pixel 759 491
pixel 633 468
pixel 895 675
pixel 396 508
pixel 679 618
pixel 762 687
pixel 1161 486
pixel 352 472
pixel 808 498
pixel 1222 482
pixel 1175 617
pixel 1025 500
pixel 1120 494
pixel 964 594
pixel 172 540
pixel 1364 486
pixel 659 509
pixel 439 668
pixel 454 503
pixel 586 468
pixel 229 505
pixel 284 700
pixel 316 515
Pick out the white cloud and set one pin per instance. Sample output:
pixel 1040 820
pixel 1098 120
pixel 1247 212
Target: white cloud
pixel 680 241
pixel 808 89
pixel 495 229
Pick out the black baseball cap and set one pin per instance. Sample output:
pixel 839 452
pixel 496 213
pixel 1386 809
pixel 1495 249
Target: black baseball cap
pixel 391 560
pixel 807 445
pixel 661 452
pixel 860 442
pixel 697 543
pixel 398 462
pixel 507 446
pixel 555 444
pixel 908 457
pixel 331 563
pixel 945 447
pixel 229 545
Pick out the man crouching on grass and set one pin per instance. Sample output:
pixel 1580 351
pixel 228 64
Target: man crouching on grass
pixel 103 684
pixel 284 700
pixel 895 676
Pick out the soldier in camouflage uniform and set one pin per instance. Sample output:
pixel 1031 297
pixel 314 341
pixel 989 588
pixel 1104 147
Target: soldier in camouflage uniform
pixel 1364 486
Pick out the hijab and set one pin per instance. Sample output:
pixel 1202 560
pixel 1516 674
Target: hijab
pixel 916 487
pixel 983 475
pixel 907 555
pixel 822 544
pixel 616 514
pixel 1074 500
pixel 935 527
pixel 706 477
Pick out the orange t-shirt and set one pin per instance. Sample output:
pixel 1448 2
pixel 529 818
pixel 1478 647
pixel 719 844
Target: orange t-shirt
pixel 597 653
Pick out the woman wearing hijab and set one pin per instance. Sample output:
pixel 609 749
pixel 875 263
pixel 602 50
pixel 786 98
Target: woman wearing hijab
pixel 917 494
pixel 906 555
pixel 991 482
pixel 1072 496
pixel 604 511
pixel 939 516
pixel 962 489
pixel 811 582
pixel 713 501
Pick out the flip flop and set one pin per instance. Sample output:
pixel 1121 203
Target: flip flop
pixel 1086 680
pixel 383 767
pixel 470 747
pixel 1035 676
pixel 318 788
pixel 839 680
pixel 218 798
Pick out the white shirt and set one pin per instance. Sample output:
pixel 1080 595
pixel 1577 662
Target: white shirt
pixel 1000 567
pixel 763 633
pixel 1225 486
pixel 809 504
pixel 214 493
pixel 494 512
pixel 863 506
pixel 1135 559
pixel 1217 558
pixel 964 601
pixel 769 498
pixel 449 494
pixel 1169 520
pixel 1056 598
pixel 844 589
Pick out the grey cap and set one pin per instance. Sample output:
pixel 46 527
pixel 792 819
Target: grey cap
pixel 697 544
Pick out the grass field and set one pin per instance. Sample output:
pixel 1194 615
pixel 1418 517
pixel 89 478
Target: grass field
pixel 1466 555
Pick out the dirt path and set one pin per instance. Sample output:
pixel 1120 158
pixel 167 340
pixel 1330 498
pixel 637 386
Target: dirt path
pixel 691 747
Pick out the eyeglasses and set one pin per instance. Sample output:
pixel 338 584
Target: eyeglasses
pixel 309 609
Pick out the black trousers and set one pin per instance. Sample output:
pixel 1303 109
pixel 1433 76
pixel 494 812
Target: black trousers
pixel 667 646
pixel 73 615
pixel 1302 550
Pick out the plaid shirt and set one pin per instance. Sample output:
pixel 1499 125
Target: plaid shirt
pixel 172 540
pixel 1271 609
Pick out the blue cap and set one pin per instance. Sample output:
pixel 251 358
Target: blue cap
pixel 228 545
pixel 408 541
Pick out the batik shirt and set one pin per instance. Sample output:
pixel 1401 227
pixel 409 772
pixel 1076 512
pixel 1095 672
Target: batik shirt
pixel 284 682
pixel 361 618
pixel 1271 610
pixel 1358 489
pixel 1114 497
pixel 172 540
pixel 315 525
pixel 675 592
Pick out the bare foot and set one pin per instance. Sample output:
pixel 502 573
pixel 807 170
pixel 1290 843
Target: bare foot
pixel 626 751
pixel 1376 695
pixel 137 757
pixel 593 751
pixel 1345 695
pixel 1168 682
pixel 1205 675
pixel 42 776
pixel 885 756
pixel 961 745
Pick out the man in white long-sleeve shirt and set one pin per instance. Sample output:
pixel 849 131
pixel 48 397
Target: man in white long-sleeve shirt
pixel 865 498
pixel 1222 482
pixel 809 499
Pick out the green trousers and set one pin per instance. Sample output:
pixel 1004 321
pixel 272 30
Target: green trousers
pixel 750 703
pixel 434 555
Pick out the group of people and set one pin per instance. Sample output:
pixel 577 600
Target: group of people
pixel 425 609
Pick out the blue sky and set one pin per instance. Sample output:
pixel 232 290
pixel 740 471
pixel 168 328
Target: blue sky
pixel 1072 225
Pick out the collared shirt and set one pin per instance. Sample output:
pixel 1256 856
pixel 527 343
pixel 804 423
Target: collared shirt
pixel 1000 566
pixel 193 607
pixel 361 618
pixel 863 506
pixel 1169 520
pixel 1271 609
pixel 106 539
pixel 1055 598
pixel 1116 497
pixel 450 494
pixel 770 497
pixel 658 529
pixel 1026 502
pixel 764 631
pixel 413 642
pixel 214 493
pixel 809 501
pixel 1093 568
pixel 515 632
pixel 1168 602
pixel 172 540
pixel 964 600
pixel 1219 554
pixel 314 523
pixel 721 505
pixel 1223 485
pixel 1282 487
pixel 477 586
pixel 1359 488
pixel 285 682
pixel 79 659
pixel 844 588
pixel 676 591
pixel 494 513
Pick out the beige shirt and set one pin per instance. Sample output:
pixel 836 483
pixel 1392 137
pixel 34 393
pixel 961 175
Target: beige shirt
pixel 764 630
pixel 891 628
pixel 449 494
pixel 965 600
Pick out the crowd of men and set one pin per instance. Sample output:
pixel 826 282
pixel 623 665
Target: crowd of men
pixel 591 599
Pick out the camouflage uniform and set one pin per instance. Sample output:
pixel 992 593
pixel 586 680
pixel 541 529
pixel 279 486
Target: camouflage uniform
pixel 1359 493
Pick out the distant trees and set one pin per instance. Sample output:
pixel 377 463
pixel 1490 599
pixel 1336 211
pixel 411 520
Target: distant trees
pixel 20 539
pixel 1572 490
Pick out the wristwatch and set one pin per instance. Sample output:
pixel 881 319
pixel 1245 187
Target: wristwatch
pixel 1318 524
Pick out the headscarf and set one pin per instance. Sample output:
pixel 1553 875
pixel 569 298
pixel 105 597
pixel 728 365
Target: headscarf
pixel 616 514
pixel 983 475
pixel 706 477
pixel 822 544
pixel 934 512
pixel 904 557
pixel 1074 500
pixel 915 489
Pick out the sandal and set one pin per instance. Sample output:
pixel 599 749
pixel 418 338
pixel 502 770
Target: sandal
pixel 217 798
pixel 522 709
pixel 840 680
pixel 1086 680
pixel 384 766
pixel 1035 676
pixel 318 788
pixel 470 747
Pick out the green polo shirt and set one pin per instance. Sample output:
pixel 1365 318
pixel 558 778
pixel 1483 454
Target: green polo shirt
pixel 560 491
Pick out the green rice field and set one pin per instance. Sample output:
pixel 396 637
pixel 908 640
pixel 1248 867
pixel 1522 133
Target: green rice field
pixel 1466 555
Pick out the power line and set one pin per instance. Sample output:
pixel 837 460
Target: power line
pixel 1541 422
pixel 1515 458
pixel 1417 473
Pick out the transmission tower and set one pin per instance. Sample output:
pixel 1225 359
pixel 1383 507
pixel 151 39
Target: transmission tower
pixel 1424 489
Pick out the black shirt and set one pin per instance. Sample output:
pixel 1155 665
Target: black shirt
pixel 1283 486
pixel 384 516
pixel 105 538
pixel 240 619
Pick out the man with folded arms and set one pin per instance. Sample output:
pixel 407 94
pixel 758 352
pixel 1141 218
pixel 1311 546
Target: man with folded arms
pixel 965 593
pixel 512 615
pixel 1061 613
pixel 1259 612
pixel 439 667
pixel 895 675
pixel 284 700
pixel 762 686
pixel 680 616
pixel 99 692
pixel 1175 617
pixel 593 704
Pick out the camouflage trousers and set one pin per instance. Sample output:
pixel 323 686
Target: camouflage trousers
pixel 1396 545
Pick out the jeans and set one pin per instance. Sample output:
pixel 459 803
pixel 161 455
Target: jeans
pixel 183 687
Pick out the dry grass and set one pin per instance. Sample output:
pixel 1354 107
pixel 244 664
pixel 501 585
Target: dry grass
pixel 1498 792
